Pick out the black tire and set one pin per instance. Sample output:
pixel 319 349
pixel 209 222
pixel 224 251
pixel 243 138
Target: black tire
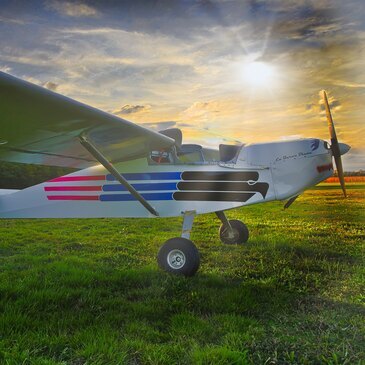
pixel 240 233
pixel 174 251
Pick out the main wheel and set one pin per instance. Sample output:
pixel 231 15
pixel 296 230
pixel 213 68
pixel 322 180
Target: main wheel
pixel 237 235
pixel 179 256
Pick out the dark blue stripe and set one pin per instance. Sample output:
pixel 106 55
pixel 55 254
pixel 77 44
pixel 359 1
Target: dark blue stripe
pixel 148 176
pixel 129 197
pixel 141 187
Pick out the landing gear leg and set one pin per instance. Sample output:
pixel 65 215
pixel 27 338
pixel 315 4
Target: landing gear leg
pixel 232 231
pixel 179 255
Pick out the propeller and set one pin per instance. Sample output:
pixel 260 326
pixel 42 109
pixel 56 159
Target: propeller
pixel 337 149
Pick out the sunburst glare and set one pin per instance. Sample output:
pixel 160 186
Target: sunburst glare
pixel 260 74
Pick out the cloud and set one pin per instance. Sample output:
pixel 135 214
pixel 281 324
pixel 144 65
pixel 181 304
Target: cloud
pixel 51 85
pixel 120 46
pixel 72 9
pixel 33 80
pixel 158 126
pixel 334 104
pixel 131 109
pixel 349 84
pixel 203 111
pixel 319 109
pixel 5 69
pixel 302 20
pixel 11 20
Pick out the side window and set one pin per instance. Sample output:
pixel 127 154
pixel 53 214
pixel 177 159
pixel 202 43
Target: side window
pixel 190 157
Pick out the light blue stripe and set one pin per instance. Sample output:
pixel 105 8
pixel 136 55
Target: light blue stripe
pixel 141 187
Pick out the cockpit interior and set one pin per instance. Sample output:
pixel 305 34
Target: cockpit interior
pixel 195 154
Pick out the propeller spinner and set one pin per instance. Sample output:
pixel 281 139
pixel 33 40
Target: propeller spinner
pixel 337 148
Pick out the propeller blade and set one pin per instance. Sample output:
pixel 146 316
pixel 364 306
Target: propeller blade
pixel 331 126
pixel 340 174
pixel 334 143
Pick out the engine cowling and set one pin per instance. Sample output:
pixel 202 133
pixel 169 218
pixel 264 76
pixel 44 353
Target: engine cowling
pixel 295 165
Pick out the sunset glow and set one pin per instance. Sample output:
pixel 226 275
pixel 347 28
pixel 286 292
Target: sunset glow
pixel 248 70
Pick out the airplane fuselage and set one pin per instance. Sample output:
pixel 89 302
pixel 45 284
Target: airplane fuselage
pixel 259 173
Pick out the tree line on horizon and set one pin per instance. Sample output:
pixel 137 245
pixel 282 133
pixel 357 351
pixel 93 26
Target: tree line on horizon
pixel 19 176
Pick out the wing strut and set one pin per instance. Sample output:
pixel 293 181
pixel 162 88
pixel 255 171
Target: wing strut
pixel 103 160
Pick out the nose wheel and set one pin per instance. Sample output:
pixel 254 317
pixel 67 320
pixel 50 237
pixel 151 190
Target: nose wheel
pixel 179 255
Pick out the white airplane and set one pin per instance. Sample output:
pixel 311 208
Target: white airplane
pixel 125 170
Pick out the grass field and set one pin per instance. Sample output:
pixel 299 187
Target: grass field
pixel 89 291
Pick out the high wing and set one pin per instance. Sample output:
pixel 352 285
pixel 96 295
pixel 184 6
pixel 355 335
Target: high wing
pixel 39 126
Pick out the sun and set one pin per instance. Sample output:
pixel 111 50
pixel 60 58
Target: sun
pixel 259 74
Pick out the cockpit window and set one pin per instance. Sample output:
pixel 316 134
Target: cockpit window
pixel 161 157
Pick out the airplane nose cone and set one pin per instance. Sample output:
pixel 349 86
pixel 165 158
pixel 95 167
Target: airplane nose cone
pixel 344 148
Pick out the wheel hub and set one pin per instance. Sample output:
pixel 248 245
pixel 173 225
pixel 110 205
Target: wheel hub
pixel 231 234
pixel 176 259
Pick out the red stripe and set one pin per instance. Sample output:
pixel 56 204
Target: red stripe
pixel 78 178
pixel 73 197
pixel 73 188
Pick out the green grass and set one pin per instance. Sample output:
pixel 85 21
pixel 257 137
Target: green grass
pixel 89 291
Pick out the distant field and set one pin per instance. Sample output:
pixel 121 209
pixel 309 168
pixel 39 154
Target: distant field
pixel 336 186
pixel 348 179
pixel 89 291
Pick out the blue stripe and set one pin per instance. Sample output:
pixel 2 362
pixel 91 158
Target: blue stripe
pixel 141 187
pixel 129 197
pixel 148 176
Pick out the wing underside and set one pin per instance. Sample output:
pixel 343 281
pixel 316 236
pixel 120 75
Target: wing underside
pixel 39 126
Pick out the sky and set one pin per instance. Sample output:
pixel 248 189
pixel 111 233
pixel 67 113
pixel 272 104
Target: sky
pixel 247 70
